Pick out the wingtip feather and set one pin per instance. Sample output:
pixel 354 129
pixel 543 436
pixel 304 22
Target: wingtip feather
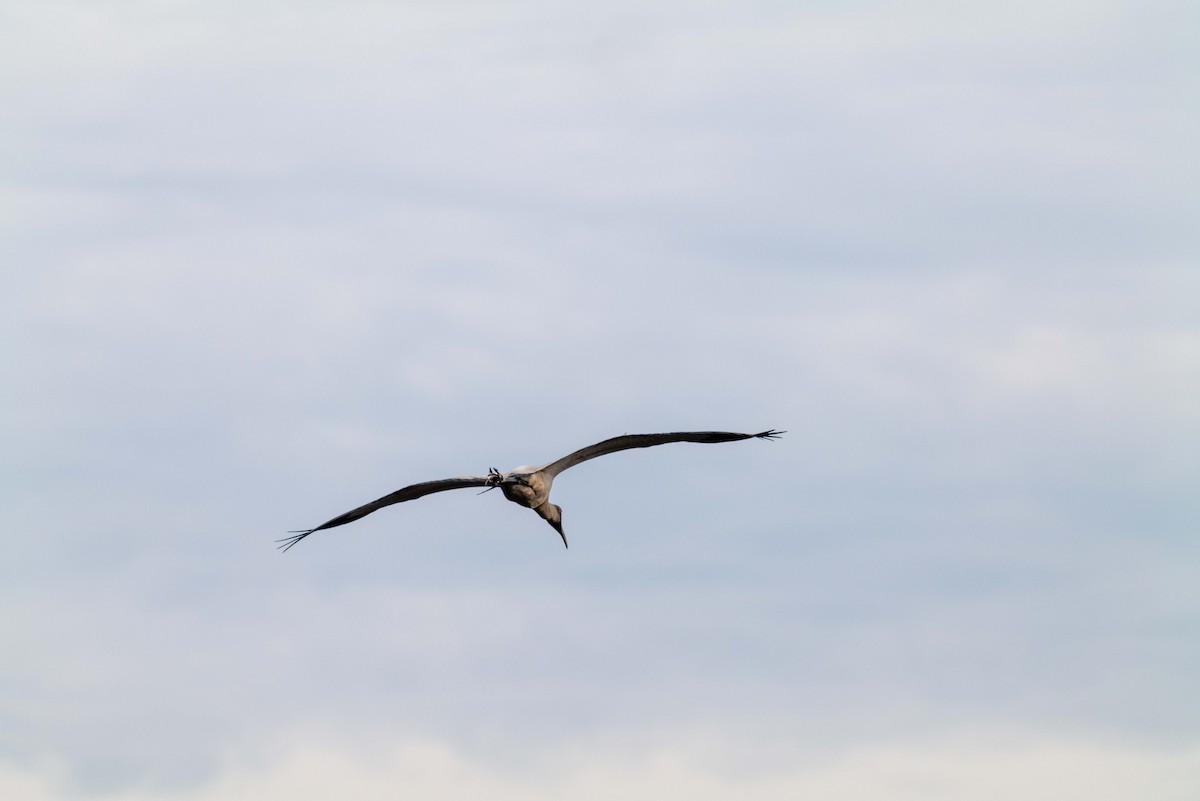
pixel 288 542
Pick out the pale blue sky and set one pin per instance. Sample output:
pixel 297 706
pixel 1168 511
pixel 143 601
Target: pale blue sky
pixel 267 261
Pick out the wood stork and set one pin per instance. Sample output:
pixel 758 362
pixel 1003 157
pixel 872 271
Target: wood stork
pixel 528 486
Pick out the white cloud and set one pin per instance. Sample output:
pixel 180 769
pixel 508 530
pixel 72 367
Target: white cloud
pixel 1032 769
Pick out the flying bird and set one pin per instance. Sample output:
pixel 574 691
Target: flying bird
pixel 525 485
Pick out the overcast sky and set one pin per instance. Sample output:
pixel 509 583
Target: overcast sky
pixel 266 261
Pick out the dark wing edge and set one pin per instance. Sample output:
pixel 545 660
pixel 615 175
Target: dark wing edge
pixel 628 441
pixel 409 493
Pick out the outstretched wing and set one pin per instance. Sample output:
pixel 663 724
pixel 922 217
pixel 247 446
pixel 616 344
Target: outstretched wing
pixel 408 493
pixel 628 441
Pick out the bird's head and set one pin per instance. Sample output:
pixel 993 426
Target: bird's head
pixel 554 518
